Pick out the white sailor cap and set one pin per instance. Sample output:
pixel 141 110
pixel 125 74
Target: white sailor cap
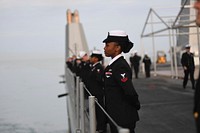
pixel 187 46
pixel 121 37
pixel 82 53
pixel 118 33
pixel 116 36
pixel 97 53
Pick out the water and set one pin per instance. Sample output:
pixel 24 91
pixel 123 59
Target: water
pixel 28 96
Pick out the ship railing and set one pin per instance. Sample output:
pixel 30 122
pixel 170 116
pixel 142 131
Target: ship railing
pixel 82 118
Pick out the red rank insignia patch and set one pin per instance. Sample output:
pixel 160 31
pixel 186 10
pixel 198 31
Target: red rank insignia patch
pixel 124 79
pixel 108 74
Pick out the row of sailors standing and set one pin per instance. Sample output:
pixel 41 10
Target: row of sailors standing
pixel 90 70
pixel 113 85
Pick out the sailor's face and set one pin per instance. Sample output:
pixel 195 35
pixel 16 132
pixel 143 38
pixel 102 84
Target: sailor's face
pixel 197 7
pixel 187 49
pixel 110 49
pixel 85 58
pixel 93 60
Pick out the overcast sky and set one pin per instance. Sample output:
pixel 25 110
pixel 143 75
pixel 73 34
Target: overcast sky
pixel 36 28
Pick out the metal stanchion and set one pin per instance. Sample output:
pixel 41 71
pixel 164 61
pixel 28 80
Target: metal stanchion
pixel 77 102
pixel 123 130
pixel 92 114
pixel 82 116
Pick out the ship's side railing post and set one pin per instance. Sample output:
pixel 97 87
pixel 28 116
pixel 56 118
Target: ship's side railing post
pixel 123 130
pixel 92 114
pixel 82 116
pixel 77 102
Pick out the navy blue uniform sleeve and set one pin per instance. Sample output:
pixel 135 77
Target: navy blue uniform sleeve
pixel 123 77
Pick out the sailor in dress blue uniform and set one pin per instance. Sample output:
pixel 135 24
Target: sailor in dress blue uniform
pixel 121 98
pixel 187 61
pixel 95 87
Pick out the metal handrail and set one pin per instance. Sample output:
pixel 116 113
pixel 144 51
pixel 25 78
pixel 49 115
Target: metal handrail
pixel 96 101
pixel 79 105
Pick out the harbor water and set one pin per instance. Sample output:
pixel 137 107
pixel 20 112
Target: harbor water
pixel 28 96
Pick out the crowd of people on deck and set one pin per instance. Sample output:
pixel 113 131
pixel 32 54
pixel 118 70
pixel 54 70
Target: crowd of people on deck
pixel 90 70
pixel 113 87
pixel 75 63
pixel 96 78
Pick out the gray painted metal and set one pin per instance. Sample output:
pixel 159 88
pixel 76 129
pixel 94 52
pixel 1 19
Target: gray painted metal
pixel 75 39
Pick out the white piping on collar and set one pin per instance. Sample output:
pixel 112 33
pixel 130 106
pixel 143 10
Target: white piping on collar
pixel 115 58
